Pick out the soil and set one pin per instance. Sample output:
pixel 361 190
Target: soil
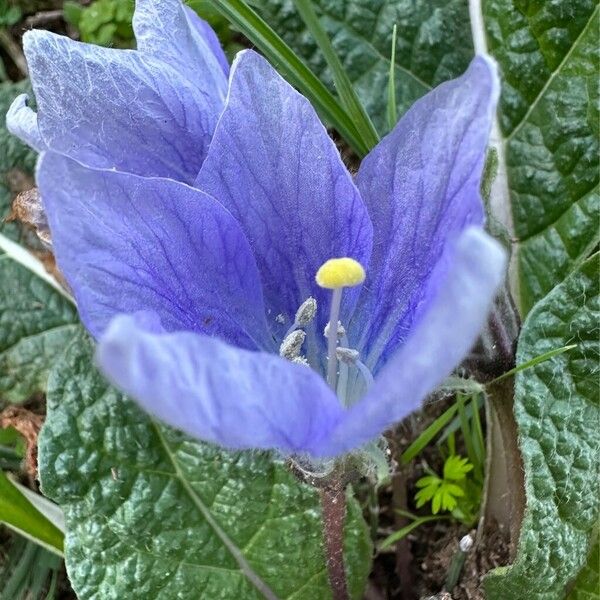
pixel 417 568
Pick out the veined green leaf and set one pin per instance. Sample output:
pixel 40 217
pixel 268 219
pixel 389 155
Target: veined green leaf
pixel 37 321
pixel 557 413
pixel 433 45
pixel 548 134
pixel 152 514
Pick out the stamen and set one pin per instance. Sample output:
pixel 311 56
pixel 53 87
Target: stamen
pixel 290 347
pixel 364 371
pixel 304 315
pixel 336 274
pixel 347 355
pixel 350 356
pixel 341 331
pixel 300 360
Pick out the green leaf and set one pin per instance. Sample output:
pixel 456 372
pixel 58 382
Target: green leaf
pixel 456 467
pixel 433 45
pixel 451 489
pixel 151 514
pixel 72 12
pixel 36 323
pixel 549 57
pixel 428 480
pixel 430 486
pixel 557 413
pixel 21 515
pixel 9 14
pixel 587 585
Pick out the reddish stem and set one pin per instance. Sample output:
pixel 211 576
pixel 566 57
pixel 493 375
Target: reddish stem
pixel 333 504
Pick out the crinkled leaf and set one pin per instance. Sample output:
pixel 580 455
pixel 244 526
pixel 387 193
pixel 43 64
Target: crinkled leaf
pixel 151 514
pixel 557 412
pixel 433 44
pixel 36 320
pixel 549 57
pixel 36 323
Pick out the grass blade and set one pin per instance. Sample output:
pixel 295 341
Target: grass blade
pixel 344 86
pixel 392 111
pixel 479 442
pixel 248 22
pixel 402 533
pixel 466 429
pixel 533 362
pixel 428 434
pixel 20 514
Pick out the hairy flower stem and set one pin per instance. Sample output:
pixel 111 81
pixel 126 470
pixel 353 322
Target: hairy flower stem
pixel 333 505
pixel 404 555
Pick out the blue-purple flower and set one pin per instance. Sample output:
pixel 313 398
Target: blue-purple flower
pixel 191 229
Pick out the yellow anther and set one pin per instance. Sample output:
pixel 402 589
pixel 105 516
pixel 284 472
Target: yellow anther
pixel 340 272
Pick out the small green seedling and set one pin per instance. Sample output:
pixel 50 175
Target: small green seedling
pixel 444 492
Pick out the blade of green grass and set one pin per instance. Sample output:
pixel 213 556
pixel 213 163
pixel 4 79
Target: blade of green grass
pixel 343 85
pixel 479 442
pixel 249 23
pixel 27 570
pixel 402 533
pixel 19 514
pixel 391 110
pixel 533 362
pixel 465 427
pixel 428 434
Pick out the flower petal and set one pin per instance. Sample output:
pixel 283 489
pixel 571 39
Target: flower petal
pixel 127 243
pixel 211 39
pixel 169 31
pixel 272 164
pixel 218 393
pixel 437 344
pixel 118 109
pixel 22 122
pixel 421 185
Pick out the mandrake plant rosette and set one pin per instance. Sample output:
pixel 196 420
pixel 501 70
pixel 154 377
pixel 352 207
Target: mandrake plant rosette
pixel 190 214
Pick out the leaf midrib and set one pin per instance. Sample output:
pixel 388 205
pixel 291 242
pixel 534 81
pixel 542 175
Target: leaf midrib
pixel 376 51
pixel 552 76
pixel 30 336
pixel 235 552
